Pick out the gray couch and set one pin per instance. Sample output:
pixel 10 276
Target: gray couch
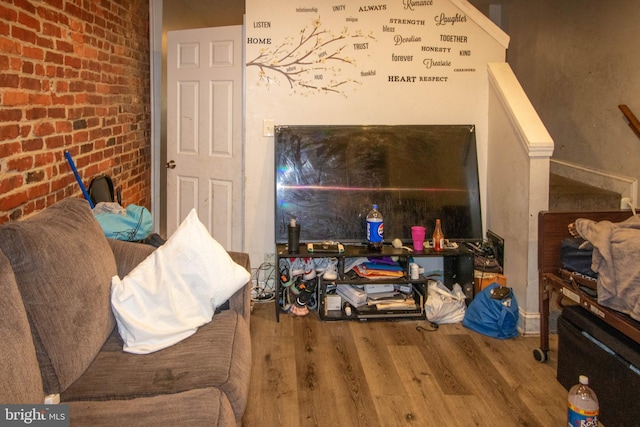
pixel 58 333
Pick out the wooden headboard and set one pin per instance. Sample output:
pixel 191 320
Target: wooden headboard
pixel 552 229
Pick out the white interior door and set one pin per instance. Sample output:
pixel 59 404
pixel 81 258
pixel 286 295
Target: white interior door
pixel 204 131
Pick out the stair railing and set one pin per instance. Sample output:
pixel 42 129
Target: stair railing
pixel 633 122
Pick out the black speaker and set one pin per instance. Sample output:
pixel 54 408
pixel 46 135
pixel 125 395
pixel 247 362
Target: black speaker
pixel 459 269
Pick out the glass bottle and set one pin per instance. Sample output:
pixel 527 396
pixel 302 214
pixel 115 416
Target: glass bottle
pixel 438 237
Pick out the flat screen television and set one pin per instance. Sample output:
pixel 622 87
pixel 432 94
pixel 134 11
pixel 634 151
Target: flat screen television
pixel 328 177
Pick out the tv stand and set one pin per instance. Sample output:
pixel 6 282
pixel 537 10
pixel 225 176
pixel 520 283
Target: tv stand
pixel 457 268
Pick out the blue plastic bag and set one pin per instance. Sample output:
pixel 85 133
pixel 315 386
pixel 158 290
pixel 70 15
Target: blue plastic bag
pixel 497 318
pixel 134 223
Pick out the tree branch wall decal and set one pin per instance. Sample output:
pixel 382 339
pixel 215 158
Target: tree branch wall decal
pixel 311 62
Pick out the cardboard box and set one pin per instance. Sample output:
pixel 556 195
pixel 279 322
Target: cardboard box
pixel 333 302
pixel 483 279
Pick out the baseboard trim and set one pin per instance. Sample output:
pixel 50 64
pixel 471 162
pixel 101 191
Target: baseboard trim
pixel 623 185
pixel 529 323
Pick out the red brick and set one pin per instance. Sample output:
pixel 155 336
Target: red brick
pixel 43 129
pixel 56 113
pixel 52 31
pixel 8 149
pixel 29 208
pixel 36 113
pixel 28 67
pixel 35 176
pixel 9 132
pixel 63 127
pixel 32 144
pixel 39 190
pixel 25 130
pixel 39 99
pixel 54 58
pixel 8 182
pixel 43 159
pixel 30 84
pixel 45 42
pixel 33 52
pixel 10 115
pixel 71 61
pixel 52 13
pixel 20 163
pixel 9 80
pixel 25 5
pixel 29 21
pixel 15 98
pixel 11 201
pixel 9 15
pixel 80 137
pixel 23 34
pixel 54 142
pixel 62 99
pixel 4 63
pixel 96 157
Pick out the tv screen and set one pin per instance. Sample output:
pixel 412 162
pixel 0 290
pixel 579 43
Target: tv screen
pixel 328 177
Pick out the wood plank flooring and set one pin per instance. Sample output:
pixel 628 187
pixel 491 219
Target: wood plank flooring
pixel 395 373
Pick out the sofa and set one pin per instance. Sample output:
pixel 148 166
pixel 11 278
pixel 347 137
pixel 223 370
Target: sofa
pixel 59 334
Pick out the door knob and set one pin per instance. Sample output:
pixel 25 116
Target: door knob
pixel 171 164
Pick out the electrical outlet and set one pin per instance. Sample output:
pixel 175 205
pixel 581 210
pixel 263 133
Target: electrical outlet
pixel 270 258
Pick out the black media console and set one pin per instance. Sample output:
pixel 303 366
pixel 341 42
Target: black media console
pixel 457 268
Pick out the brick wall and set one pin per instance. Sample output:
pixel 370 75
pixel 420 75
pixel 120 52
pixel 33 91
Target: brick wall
pixel 74 75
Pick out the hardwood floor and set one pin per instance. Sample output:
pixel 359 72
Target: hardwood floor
pixel 395 373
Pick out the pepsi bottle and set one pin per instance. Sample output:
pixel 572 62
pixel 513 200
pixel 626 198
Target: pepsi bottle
pixel 375 230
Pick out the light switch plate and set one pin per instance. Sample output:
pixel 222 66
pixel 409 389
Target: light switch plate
pixel 267 127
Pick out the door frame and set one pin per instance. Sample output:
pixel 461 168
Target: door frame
pixel 158 202
pixel 155 63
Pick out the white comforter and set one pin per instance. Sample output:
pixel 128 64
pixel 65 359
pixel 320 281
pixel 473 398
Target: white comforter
pixel 616 259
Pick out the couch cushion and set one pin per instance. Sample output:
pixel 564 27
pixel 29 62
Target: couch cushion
pixel 175 290
pixel 218 355
pixel 203 407
pixel 63 266
pixel 21 381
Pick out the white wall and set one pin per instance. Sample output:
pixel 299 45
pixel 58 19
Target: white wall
pixel 351 75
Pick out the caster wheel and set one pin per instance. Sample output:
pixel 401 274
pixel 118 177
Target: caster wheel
pixel 539 355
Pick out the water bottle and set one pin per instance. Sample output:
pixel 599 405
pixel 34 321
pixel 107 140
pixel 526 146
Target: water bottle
pixel 583 405
pixel 375 229
pixel 293 237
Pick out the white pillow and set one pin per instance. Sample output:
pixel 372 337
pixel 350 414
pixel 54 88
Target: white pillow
pixel 174 290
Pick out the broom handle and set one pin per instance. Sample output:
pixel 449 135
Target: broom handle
pixel 75 173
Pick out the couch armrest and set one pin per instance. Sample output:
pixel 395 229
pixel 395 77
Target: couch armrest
pixel 241 300
pixel 129 254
